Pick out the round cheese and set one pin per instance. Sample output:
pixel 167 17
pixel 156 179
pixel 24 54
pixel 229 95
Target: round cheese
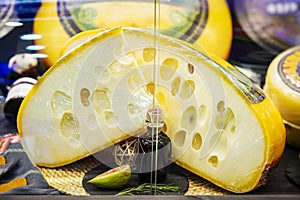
pixel 283 86
pixel 205 22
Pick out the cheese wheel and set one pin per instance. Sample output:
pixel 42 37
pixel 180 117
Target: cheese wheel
pixel 222 126
pixel 205 22
pixel 283 86
pixel 293 135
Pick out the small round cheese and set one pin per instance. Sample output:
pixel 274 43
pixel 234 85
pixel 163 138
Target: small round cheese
pixel 283 86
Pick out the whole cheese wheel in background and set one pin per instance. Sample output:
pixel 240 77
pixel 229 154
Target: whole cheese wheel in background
pixel 261 30
pixel 206 22
pixel 283 86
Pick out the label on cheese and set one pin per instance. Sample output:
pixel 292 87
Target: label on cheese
pixel 289 70
pixel 248 88
pixel 183 19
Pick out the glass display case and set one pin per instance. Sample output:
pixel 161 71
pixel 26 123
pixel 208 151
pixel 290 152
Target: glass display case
pixel 170 98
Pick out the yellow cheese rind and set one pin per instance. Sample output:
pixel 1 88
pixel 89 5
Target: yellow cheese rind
pixel 221 125
pixel 77 40
pixel 292 135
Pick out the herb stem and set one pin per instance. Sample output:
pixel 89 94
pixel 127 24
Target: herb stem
pixel 148 188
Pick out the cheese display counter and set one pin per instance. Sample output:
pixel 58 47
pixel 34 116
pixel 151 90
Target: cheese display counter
pixel 139 99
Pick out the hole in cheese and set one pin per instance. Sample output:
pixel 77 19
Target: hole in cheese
pixel 134 81
pixel 179 138
pixel 175 86
pixel 215 138
pixel 225 119
pixel 84 97
pixel 110 118
pixel 197 141
pixel 150 88
pixel 213 160
pixel 61 103
pixel 202 116
pixel 101 100
pixel 149 54
pixel 189 118
pixel 168 68
pixel 187 89
pixel 69 126
pixel 191 68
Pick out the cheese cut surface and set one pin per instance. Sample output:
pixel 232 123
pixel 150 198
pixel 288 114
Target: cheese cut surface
pixel 222 126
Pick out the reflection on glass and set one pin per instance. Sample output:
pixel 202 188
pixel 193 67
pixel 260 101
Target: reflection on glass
pixel 14 24
pixel 31 36
pixel 35 47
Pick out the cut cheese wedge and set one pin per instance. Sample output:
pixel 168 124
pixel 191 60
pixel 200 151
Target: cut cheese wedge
pixel 222 126
pixel 78 39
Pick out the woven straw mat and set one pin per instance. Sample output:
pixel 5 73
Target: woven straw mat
pixel 68 179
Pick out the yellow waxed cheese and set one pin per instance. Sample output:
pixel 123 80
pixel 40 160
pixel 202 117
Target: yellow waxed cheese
pixel 98 94
pixel 283 86
pixel 205 22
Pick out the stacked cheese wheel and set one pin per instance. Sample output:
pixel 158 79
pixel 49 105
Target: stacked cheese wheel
pixel 283 86
pixel 205 22
pixel 221 124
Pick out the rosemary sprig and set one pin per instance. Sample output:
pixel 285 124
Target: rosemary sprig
pixel 147 188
